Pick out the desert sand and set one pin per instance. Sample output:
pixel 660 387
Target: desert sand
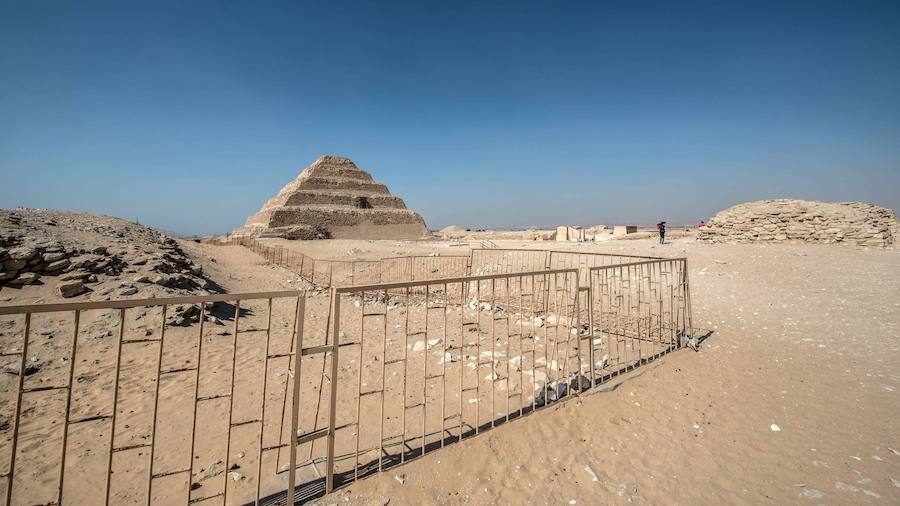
pixel 791 398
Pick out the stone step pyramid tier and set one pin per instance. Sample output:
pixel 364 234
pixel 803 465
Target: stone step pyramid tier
pixel 334 199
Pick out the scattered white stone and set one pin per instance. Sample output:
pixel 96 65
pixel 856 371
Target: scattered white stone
pixel 812 493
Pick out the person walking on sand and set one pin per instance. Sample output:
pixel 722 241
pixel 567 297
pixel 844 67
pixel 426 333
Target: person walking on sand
pixel 662 232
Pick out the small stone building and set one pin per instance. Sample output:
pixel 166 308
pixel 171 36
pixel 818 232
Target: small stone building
pixel 565 233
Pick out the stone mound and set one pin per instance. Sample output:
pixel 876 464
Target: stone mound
pixel 333 198
pixel 786 220
pixel 95 257
pixel 452 230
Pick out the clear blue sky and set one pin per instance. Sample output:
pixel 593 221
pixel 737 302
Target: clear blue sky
pixel 189 115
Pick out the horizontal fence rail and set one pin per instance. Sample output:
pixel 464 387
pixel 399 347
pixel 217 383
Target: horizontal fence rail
pixel 277 397
pixel 493 260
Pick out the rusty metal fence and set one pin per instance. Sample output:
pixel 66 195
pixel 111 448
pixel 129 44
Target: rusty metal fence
pixel 246 397
pixel 117 402
pixel 429 363
pixel 480 261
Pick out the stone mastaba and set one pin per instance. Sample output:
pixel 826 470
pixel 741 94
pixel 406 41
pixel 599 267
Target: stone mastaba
pixel 333 198
pixel 789 220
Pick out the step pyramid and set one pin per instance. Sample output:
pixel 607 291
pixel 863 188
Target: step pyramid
pixel 334 199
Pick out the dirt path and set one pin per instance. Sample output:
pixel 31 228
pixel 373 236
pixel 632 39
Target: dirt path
pixel 237 269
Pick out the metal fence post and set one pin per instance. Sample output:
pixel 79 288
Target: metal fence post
pixel 295 403
pixel 335 346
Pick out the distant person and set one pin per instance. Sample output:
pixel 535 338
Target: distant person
pixel 701 225
pixel 662 232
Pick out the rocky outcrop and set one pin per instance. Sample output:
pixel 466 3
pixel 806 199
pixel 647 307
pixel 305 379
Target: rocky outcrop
pixel 333 198
pixel 786 220
pixel 96 256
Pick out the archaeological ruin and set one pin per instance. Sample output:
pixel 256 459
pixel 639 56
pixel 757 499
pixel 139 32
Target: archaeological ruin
pixel 788 220
pixel 334 199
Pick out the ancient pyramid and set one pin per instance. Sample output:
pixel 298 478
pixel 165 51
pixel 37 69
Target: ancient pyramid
pixel 333 198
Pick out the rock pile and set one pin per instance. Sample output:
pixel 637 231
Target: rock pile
pixel 81 253
pixel 334 199
pixel 786 220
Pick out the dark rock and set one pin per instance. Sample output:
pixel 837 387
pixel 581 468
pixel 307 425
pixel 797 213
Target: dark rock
pixel 53 257
pixel 13 368
pixel 14 265
pixel 26 278
pixel 59 265
pixel 74 275
pixel 70 288
pixel 579 382
pixel 23 253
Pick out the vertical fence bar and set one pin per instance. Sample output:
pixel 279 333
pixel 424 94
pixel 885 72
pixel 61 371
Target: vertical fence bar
pixel 262 418
pixel 444 368
pixel 493 351
pixel 521 309
pixel 534 338
pixel 362 334
pixel 688 309
pixel 72 357
pixel 462 349
pixel 478 356
pixel 162 341
pixel 425 372
pixel 508 338
pixel 383 384
pixel 196 392
pixel 329 466
pixel 590 301
pixel 234 344
pixel 297 344
pixel 546 293
pixel 112 431
pixel 12 461
pixel 405 374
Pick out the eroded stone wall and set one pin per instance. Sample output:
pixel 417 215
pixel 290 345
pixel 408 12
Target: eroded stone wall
pixel 787 220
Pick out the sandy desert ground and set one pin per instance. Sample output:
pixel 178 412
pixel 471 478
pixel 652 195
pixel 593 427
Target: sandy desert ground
pixel 791 399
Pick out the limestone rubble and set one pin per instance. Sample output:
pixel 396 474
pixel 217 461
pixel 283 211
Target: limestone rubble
pixel 788 220
pixel 99 257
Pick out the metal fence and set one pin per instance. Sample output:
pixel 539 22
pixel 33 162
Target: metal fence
pixel 244 397
pixel 432 362
pixel 636 312
pixel 480 261
pixel 118 402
